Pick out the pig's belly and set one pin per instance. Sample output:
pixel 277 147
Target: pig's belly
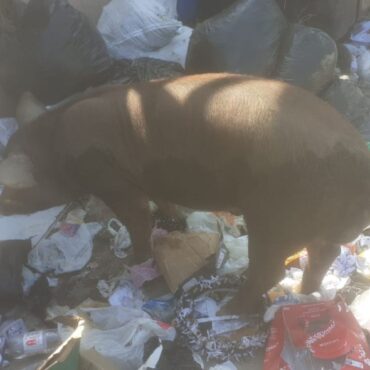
pixel 191 185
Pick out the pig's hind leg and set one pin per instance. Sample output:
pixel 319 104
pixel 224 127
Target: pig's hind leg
pixel 320 258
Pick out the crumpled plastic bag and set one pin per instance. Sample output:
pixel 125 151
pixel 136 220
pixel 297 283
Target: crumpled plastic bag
pixel 130 27
pixel 237 260
pixel 120 334
pixel 60 253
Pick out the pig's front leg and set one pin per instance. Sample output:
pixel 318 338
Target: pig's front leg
pixel 102 176
pixel 132 208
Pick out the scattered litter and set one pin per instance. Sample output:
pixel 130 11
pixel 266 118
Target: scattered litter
pixel 105 288
pixel 126 295
pixel 122 240
pixel 179 256
pixel 162 309
pixel 322 335
pixel 199 335
pixel 144 272
pixel 60 254
pixel 360 309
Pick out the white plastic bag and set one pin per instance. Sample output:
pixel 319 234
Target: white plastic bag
pixel 203 222
pixel 120 335
pixel 237 260
pixel 360 309
pixel 61 254
pixel 176 51
pixel 132 27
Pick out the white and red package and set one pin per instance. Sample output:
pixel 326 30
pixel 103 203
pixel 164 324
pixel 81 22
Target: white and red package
pixel 322 335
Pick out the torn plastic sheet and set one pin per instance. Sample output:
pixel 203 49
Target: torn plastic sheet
pixel 61 254
pixel 199 337
pixel 34 226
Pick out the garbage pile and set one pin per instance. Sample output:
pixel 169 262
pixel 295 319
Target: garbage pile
pixel 148 315
pixel 71 293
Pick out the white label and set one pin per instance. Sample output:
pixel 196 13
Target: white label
pixel 33 343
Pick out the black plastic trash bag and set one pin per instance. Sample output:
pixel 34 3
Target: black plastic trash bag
pixel 64 53
pixel 310 58
pixel 245 38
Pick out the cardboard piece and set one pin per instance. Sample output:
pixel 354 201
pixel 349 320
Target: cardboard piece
pixel 179 255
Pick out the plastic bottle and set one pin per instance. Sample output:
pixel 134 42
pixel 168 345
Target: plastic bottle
pixel 32 343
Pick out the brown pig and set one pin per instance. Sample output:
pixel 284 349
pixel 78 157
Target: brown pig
pixel 293 166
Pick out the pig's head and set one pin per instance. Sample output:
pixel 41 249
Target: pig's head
pixel 28 173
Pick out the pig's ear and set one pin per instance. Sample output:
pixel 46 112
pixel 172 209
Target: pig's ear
pixel 16 172
pixel 29 108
